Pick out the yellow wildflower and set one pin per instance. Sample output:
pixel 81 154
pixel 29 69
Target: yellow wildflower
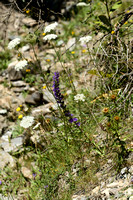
pixel 105 110
pixel 113 96
pixel 116 118
pixel 47 121
pixel 72 32
pixel 126 22
pixel 27 70
pixel 128 11
pixel 112 32
pixel 43 34
pixel 84 51
pixel 27 11
pixel 20 116
pixel 18 109
pixel 72 52
pixel 44 87
pixel 48 60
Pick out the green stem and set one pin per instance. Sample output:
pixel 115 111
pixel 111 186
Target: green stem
pixel 106 3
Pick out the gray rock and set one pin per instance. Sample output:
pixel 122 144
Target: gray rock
pixel 14 75
pixel 6 136
pixel 25 48
pixel 18 83
pixel 131 170
pixel 6 159
pixel 12 145
pixel 3 124
pixel 26 172
pixel 44 109
pixel 35 98
pixel 47 96
pixel 29 22
pixel 71 44
pixel 124 170
pixel 20 89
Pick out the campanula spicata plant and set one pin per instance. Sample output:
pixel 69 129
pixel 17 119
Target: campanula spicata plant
pixel 59 98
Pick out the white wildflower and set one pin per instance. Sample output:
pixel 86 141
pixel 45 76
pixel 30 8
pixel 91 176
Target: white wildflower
pixel 81 4
pixel 79 97
pixel 36 126
pixel 50 27
pixel 85 39
pixel 50 37
pixel 27 121
pixel 20 65
pixel 13 43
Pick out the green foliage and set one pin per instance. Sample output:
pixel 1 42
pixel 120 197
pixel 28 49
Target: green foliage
pixel 5 57
pixel 17 131
pixel 104 19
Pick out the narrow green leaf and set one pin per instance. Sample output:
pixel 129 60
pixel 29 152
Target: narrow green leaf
pixel 104 19
pixel 116 5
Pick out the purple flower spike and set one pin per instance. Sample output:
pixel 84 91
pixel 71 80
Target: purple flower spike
pixel 0 182
pixel 59 98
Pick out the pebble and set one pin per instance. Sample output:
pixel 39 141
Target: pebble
pixel 124 170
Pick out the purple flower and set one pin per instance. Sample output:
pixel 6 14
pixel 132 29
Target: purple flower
pixel 45 186
pixel 78 123
pixel 59 98
pixel 73 120
pixel 34 175
pixel 0 182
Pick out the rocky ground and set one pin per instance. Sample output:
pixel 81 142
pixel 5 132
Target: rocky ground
pixel 110 186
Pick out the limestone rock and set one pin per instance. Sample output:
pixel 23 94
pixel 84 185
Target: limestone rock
pixel 6 159
pixel 6 136
pixel 12 145
pixel 44 109
pixel 96 190
pixel 14 75
pixel 48 97
pixel 36 98
pixel 26 172
pixel 18 83
pixel 29 22
pixel 3 124
pixel 71 44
